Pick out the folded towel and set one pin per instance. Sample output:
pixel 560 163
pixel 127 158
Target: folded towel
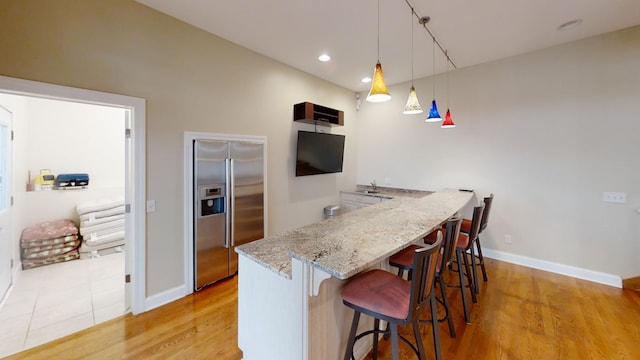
pixel 118 210
pixel 102 220
pixel 95 239
pixel 99 205
pixel 107 227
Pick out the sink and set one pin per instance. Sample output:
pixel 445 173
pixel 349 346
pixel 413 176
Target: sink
pixel 368 191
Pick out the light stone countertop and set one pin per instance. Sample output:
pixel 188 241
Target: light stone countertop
pixel 387 192
pixel 350 243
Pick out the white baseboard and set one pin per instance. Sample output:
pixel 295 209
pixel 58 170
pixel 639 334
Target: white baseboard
pixel 164 297
pixel 576 272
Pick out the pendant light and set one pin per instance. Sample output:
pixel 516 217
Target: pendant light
pixel 413 105
pixel 434 114
pixel 448 121
pixel 378 92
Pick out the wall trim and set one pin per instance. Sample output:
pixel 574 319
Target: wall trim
pixel 165 297
pixel 568 270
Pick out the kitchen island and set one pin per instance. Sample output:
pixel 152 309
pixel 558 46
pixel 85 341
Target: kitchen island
pixel 289 304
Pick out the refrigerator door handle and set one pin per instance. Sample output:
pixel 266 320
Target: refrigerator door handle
pixel 232 184
pixel 227 192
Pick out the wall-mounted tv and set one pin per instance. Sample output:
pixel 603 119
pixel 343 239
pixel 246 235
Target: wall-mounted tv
pixel 319 153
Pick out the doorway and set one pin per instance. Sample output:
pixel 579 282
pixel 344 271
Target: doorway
pixel 134 110
pixel 5 201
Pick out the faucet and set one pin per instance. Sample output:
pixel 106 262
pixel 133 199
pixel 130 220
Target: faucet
pixel 374 185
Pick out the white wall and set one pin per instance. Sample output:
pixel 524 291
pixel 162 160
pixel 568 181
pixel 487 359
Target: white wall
pixel 547 132
pixel 71 137
pixel 66 138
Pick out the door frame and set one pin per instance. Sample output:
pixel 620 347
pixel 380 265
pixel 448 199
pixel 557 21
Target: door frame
pixel 7 186
pixel 189 137
pixel 135 256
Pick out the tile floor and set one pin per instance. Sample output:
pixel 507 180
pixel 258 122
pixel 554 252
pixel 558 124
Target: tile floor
pixel 56 300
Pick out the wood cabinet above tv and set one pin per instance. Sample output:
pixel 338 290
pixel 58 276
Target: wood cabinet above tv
pixel 309 113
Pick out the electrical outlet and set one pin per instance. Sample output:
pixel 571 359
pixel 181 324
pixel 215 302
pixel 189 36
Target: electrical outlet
pixel 507 239
pixel 614 197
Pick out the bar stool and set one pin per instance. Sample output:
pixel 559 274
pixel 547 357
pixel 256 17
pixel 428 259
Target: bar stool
pixel 388 297
pixel 403 261
pixel 464 247
pixel 466 227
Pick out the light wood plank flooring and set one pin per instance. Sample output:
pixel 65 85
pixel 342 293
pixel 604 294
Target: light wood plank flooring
pixel 521 313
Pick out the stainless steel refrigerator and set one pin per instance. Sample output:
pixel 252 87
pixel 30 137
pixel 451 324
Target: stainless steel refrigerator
pixel 228 205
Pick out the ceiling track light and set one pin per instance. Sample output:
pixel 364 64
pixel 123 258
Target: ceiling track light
pixel 434 114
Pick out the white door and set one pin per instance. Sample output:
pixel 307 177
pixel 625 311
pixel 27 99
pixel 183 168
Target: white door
pixel 6 232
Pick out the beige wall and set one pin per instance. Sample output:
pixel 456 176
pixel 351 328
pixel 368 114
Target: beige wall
pixel 192 81
pixel 547 132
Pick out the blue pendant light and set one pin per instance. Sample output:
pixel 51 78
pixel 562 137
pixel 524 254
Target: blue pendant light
pixel 434 114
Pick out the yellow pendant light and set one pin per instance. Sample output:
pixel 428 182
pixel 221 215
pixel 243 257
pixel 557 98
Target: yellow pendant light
pixel 378 91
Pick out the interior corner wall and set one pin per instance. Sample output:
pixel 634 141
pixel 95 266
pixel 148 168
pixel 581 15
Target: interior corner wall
pixel 192 81
pixel 547 132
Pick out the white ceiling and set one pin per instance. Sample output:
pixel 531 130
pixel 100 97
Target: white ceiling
pixel 296 32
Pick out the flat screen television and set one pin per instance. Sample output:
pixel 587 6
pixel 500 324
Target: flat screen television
pixel 319 153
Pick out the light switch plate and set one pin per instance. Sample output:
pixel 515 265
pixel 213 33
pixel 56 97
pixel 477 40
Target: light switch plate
pixel 614 197
pixel 151 206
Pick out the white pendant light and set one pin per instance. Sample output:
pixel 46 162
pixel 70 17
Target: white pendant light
pixel 413 105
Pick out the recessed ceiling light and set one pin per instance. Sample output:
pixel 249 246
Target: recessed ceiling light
pixel 366 80
pixel 570 24
pixel 324 57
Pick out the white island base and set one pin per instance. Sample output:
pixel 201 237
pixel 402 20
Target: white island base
pixel 302 318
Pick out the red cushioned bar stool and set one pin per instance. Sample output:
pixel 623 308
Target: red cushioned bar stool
pixel 466 228
pixel 464 248
pixel 402 260
pixel 385 296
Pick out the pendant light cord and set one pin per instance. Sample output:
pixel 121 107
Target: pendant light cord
pixel 445 53
pixel 434 67
pixel 411 22
pixel 378 30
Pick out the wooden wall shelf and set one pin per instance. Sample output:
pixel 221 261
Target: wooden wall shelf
pixel 309 113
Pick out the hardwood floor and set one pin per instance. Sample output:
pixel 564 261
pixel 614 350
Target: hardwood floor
pixel 521 313
pixel 632 283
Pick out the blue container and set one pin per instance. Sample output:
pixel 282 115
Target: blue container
pixel 72 181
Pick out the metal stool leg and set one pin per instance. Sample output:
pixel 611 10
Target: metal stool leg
pixel 484 270
pixel 348 352
pixel 445 300
pixel 395 352
pixel 436 331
